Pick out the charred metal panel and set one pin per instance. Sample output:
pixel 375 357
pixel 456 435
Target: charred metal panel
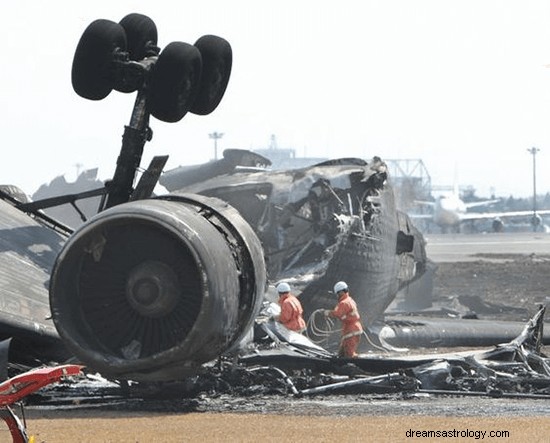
pixel 150 290
pixel 411 249
pixel 183 176
pixel 27 253
pixel 149 178
pixel 66 213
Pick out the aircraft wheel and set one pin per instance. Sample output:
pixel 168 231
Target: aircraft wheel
pixel 217 58
pixel 141 34
pixel 91 70
pixel 175 82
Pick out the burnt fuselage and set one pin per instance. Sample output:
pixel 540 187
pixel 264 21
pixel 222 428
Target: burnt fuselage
pixel 333 221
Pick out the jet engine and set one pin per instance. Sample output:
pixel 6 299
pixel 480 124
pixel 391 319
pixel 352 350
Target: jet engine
pixel 151 289
pixel 498 225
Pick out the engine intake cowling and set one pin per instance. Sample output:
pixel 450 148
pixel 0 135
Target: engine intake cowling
pixel 149 290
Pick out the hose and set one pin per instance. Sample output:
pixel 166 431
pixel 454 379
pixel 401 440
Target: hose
pixel 285 377
pixel 323 332
pixel 328 329
pixel 375 346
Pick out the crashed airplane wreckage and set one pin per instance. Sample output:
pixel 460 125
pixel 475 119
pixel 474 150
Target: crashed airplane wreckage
pixel 149 289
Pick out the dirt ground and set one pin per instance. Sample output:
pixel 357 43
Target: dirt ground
pixel 520 282
pixel 270 428
pixel 517 281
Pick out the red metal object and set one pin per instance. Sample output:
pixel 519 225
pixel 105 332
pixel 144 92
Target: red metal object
pixel 18 387
pixel 17 429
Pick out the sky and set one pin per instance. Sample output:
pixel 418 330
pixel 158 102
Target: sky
pixel 463 85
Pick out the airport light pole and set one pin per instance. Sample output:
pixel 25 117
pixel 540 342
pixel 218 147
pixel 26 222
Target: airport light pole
pixel 534 151
pixel 215 136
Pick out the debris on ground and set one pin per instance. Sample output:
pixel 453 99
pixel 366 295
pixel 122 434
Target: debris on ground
pixel 289 368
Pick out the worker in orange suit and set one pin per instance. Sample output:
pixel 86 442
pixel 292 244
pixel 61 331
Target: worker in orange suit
pixel 346 311
pixel 291 315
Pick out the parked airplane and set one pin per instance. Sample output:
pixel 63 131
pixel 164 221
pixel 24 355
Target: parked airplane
pixel 450 212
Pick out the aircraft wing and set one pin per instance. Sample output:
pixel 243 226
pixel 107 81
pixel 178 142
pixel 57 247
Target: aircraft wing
pixel 421 216
pixel 492 215
pixel 425 203
pixel 28 250
pixel 480 203
pixel 27 253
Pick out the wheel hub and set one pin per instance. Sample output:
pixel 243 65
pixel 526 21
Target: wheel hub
pixel 152 289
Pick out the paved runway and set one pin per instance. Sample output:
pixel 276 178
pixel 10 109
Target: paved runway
pixel 464 247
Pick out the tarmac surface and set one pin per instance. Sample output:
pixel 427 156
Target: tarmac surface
pixel 508 269
pixel 445 248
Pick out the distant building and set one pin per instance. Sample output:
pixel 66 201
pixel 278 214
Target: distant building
pixel 285 158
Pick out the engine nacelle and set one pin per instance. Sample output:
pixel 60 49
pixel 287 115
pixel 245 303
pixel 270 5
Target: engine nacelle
pixel 498 225
pixel 149 290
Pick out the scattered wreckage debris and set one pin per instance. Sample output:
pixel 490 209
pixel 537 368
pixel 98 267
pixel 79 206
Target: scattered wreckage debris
pixel 290 366
pixel 517 368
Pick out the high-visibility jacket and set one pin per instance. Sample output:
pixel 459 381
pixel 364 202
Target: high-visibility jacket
pixel 346 310
pixel 291 313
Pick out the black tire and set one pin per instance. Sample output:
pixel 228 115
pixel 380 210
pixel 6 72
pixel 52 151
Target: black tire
pixel 141 34
pixel 217 59
pixel 91 72
pixel 175 82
